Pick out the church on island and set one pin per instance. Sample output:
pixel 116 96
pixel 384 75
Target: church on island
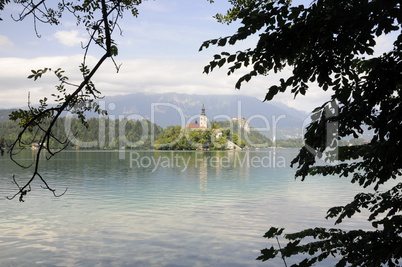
pixel 203 121
pixel 203 125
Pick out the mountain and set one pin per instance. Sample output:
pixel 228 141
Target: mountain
pixel 4 114
pixel 180 109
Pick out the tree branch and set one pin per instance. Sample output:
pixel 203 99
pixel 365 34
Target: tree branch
pixel 36 116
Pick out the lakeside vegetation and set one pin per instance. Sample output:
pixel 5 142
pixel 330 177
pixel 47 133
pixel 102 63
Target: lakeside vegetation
pixel 100 133
pixel 104 133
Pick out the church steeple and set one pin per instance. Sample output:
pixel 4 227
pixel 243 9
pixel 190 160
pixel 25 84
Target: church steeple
pixel 203 118
pixel 203 110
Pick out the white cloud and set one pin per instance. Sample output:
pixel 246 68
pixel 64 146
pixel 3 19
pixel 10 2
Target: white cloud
pixel 166 36
pixel 384 43
pixel 5 42
pixel 15 85
pixel 69 38
pixel 144 75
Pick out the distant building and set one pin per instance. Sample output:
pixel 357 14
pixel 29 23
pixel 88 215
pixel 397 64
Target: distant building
pixel 35 146
pixel 218 133
pixel 203 121
pixel 203 125
pixel 193 125
pixel 232 146
pixel 203 118
pixel 243 123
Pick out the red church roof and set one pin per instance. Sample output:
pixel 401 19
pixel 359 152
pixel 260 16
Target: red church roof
pixel 193 125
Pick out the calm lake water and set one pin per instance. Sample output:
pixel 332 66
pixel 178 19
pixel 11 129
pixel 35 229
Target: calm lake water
pixel 160 208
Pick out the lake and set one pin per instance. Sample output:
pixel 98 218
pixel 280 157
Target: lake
pixel 160 208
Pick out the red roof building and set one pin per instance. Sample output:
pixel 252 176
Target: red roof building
pixel 203 121
pixel 193 125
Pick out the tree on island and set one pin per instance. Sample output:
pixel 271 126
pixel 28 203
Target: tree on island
pixel 178 138
pixel 331 43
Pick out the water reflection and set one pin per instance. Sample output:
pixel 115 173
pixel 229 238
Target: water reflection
pixel 160 208
pixel 203 175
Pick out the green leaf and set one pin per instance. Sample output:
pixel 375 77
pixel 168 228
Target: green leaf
pixel 272 91
pixel 222 42
pixel 231 58
pixel 114 51
pixel 221 62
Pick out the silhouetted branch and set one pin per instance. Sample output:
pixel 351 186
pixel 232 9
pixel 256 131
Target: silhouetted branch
pixel 42 120
pixel 21 191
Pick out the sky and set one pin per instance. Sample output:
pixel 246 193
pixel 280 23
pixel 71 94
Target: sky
pixel 158 53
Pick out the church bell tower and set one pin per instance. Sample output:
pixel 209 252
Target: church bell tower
pixel 203 118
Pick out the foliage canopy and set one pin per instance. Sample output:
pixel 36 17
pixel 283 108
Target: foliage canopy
pixel 332 43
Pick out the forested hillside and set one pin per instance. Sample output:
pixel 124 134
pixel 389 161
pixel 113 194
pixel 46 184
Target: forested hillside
pixel 101 133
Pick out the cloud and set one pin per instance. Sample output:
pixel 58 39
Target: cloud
pixel 137 75
pixel 5 42
pixel 69 38
pixel 384 43
pixel 15 86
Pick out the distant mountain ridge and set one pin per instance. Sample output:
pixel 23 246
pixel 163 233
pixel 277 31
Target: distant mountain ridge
pixel 180 109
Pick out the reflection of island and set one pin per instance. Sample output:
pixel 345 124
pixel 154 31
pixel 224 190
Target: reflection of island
pixel 221 165
pixel 203 175
pixel 241 163
pixel 214 164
